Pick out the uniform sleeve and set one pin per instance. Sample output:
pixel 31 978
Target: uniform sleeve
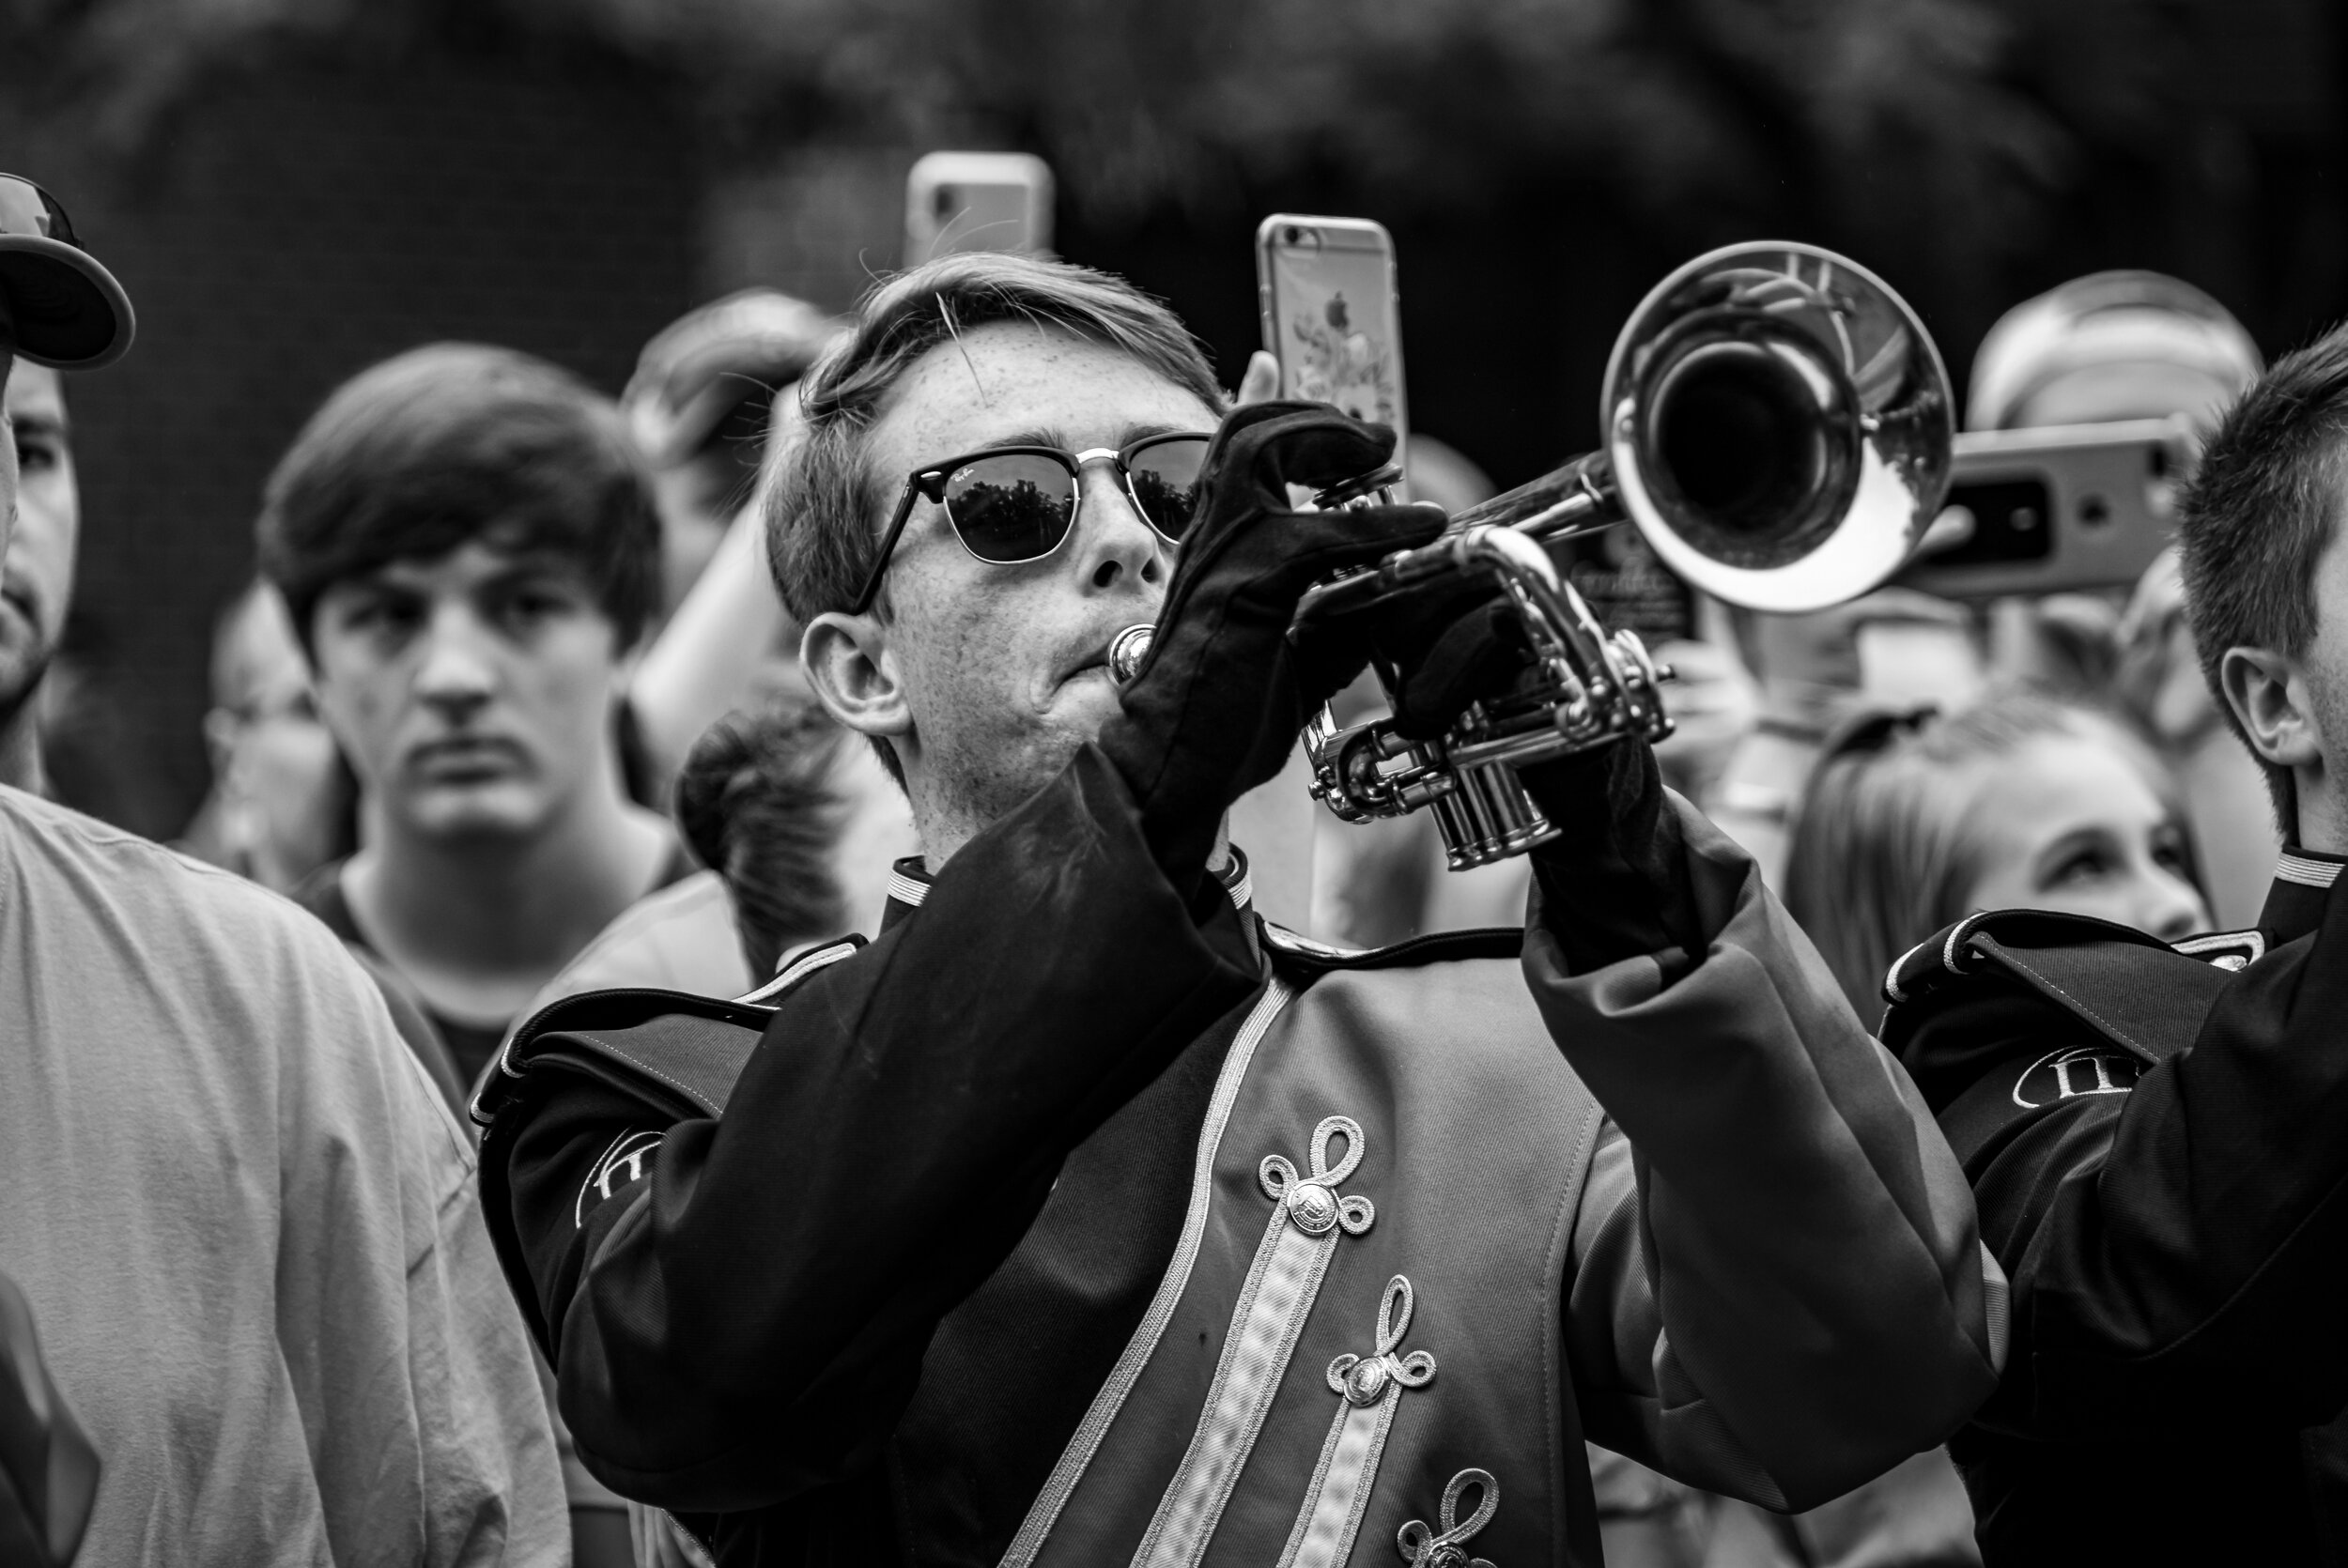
pixel 741 1306
pixel 428 1433
pixel 2178 1240
pixel 1779 1289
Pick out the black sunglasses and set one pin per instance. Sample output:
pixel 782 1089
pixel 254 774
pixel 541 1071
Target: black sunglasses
pixel 1014 505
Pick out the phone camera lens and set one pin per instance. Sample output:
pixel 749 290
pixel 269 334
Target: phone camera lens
pixel 1293 236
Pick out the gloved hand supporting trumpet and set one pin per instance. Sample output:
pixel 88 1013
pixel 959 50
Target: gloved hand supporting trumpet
pixel 1777 426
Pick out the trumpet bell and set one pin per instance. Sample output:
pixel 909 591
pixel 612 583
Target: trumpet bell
pixel 1777 426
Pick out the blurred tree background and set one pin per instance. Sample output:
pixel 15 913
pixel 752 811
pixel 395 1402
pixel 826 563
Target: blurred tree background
pixel 291 188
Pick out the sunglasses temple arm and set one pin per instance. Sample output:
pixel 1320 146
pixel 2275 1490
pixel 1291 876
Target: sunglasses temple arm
pixel 888 547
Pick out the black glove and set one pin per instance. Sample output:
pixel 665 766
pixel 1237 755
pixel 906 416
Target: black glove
pixel 1218 704
pixel 1450 654
pixel 1615 882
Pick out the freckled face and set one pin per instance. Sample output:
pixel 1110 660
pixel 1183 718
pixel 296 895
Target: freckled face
pixel 1002 665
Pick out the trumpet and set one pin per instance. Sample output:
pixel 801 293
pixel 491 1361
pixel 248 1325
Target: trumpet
pixel 1776 424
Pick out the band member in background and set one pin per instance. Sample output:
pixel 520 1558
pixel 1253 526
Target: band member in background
pixel 244 1221
pixel 1083 1216
pixel 2157 1136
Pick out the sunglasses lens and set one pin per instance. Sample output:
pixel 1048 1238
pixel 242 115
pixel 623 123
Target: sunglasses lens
pixel 1010 508
pixel 1166 483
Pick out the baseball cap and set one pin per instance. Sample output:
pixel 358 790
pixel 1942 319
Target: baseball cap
pixel 69 310
pixel 2104 322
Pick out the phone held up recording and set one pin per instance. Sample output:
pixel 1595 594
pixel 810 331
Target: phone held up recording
pixel 2059 509
pixel 1325 291
pixel 977 201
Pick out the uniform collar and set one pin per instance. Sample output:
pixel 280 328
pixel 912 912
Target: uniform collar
pixel 909 883
pixel 2294 904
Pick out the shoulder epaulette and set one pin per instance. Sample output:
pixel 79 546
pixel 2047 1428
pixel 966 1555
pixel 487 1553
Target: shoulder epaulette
pixel 679 1051
pixel 2144 996
pixel 1483 942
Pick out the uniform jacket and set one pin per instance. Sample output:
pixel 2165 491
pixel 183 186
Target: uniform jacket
pixel 1071 1221
pixel 2158 1143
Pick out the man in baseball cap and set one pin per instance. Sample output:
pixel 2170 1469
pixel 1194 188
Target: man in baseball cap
pixel 67 310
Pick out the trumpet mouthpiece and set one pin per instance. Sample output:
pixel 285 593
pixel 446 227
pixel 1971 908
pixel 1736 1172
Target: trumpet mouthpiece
pixel 1127 650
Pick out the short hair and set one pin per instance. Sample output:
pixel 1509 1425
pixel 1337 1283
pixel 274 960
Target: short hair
pixel 456 443
pixel 823 505
pixel 760 804
pixel 1878 860
pixel 2257 516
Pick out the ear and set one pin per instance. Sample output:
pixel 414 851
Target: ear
pixel 854 673
pixel 2269 697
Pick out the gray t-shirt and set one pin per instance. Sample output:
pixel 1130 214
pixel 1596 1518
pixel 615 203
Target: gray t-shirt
pixel 248 1228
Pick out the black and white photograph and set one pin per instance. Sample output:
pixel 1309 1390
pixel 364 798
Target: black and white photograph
pixel 1261 784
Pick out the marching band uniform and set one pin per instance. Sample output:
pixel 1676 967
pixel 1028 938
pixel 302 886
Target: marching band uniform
pixel 1082 1218
pixel 2157 1139
pixel 1365 1230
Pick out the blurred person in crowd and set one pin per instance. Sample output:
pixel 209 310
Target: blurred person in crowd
pixel 36 579
pixel 1912 820
pixel 60 736
pixel 245 1225
pixel 2126 346
pixel 944 1279
pixel 698 408
pixel 2111 345
pixel 465 541
pixel 713 392
pixel 283 802
pixel 2157 1136
pixel 798 832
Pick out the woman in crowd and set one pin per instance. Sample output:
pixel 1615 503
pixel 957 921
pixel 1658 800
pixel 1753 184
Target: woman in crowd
pixel 1914 821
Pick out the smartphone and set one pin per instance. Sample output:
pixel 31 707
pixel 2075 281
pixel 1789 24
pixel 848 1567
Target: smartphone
pixel 1326 292
pixel 2054 510
pixel 977 201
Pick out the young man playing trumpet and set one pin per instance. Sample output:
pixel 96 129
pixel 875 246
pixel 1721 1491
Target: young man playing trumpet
pixel 1082 1217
